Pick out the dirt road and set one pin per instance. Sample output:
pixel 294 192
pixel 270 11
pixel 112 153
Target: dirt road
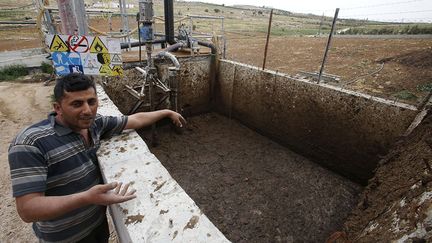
pixel 21 104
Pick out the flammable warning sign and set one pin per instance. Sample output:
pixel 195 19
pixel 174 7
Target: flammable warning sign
pixel 98 46
pixel 91 55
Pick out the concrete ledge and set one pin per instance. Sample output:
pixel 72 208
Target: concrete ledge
pixel 162 211
pixel 26 57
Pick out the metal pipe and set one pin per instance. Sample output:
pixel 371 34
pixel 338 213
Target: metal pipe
pixel 174 47
pixel 169 21
pixel 171 57
pixel 209 45
pixel 213 67
pixel 328 45
pixel 142 71
pixel 135 44
pixel 267 41
pixel 205 17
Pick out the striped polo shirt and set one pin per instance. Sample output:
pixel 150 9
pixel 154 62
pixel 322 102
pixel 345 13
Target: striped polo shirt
pixel 47 157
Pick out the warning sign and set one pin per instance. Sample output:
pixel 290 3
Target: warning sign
pixel 117 70
pixel 98 46
pixel 105 70
pixel 78 43
pixel 104 58
pixel 116 59
pixel 91 55
pixel 57 44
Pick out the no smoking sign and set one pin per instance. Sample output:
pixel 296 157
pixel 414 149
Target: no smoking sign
pixel 78 43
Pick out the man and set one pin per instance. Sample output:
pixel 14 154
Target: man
pixel 54 170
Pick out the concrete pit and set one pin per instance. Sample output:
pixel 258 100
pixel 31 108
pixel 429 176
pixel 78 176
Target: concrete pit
pixel 250 187
pixel 236 160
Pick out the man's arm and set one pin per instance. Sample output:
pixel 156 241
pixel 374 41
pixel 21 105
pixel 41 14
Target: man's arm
pixel 142 119
pixel 38 207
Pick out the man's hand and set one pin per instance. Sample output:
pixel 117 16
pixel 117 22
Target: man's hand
pixel 177 119
pixel 142 119
pixel 108 194
pixel 34 207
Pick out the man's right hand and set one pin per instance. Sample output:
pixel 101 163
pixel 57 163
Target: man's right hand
pixel 108 194
pixel 36 206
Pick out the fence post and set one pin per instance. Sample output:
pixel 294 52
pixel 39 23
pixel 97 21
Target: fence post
pixel 268 37
pixel 328 45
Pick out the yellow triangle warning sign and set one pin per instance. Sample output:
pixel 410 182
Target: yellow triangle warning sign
pixel 57 44
pixel 105 70
pixel 117 70
pixel 98 46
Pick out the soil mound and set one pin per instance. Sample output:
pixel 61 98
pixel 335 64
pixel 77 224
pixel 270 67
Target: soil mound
pixel 397 204
pixel 416 59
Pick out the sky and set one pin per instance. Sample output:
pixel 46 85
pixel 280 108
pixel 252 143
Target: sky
pixel 382 10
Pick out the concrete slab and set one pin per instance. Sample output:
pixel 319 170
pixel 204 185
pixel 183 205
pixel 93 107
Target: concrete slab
pixel 27 57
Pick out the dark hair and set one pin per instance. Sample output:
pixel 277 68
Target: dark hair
pixel 72 82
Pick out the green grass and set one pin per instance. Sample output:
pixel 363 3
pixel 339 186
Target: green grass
pixel 405 95
pixel 47 68
pixel 13 72
pixel 425 87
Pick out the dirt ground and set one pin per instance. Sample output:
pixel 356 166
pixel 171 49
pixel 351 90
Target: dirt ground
pixel 396 69
pixel 398 199
pixel 21 104
pixel 251 188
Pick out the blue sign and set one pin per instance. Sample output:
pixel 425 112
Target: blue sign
pixel 76 68
pixel 62 69
pixel 66 58
pixel 60 58
pixel 74 58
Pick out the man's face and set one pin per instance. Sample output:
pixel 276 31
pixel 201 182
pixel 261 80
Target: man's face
pixel 77 109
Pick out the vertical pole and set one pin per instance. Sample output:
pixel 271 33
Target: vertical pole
pixel 191 33
pixel 81 19
pixel 48 20
pixel 72 14
pixel 110 21
pixel 328 45
pixel 224 39
pixel 268 37
pixel 320 26
pixel 67 17
pixel 125 20
pixel 139 40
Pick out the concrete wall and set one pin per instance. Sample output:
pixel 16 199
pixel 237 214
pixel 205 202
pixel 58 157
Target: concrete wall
pixel 342 130
pixel 26 57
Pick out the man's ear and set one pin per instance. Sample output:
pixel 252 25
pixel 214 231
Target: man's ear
pixel 57 108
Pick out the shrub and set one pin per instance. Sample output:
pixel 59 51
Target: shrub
pixel 47 68
pixel 13 72
pixel 405 95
